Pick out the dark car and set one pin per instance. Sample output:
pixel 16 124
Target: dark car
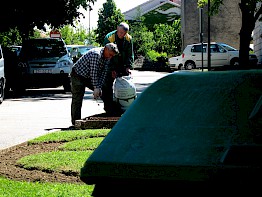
pixel 43 63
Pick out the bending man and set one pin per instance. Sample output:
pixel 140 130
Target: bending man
pixel 89 71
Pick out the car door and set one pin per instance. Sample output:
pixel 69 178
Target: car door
pixel 196 55
pixel 219 56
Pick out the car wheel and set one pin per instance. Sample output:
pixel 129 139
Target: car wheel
pixel 1 91
pixel 189 65
pixel 234 62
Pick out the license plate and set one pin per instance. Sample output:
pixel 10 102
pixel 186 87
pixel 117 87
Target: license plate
pixel 42 71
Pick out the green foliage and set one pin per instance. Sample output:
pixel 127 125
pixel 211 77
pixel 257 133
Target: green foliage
pixel 108 19
pixel 11 37
pixel 91 39
pixel 155 56
pixel 26 15
pixel 13 188
pixel 70 34
pixel 168 38
pixel 146 42
pixel 67 33
pixel 176 41
pixel 164 38
pixel 79 35
pixel 143 39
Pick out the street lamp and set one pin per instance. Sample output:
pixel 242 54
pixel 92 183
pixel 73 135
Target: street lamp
pixel 89 29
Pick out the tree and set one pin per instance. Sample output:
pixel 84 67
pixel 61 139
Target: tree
pixel 25 15
pixel 79 35
pixel 67 33
pixel 108 19
pixel 168 38
pixel 11 37
pixel 251 12
pixel 143 40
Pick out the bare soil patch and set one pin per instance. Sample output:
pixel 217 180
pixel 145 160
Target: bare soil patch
pixel 9 168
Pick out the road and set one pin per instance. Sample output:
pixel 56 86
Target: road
pixel 41 111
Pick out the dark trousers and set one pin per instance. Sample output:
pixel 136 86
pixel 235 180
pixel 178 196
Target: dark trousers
pixel 107 94
pixel 78 85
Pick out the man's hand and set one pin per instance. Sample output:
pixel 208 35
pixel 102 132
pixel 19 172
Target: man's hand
pixel 97 93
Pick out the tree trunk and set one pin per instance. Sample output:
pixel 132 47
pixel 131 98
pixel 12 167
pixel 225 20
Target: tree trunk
pixel 248 25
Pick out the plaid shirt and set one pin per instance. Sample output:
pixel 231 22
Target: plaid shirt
pixel 93 65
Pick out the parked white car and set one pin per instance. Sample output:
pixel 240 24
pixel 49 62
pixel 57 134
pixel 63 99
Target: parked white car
pixel 2 76
pixel 221 55
pixel 175 62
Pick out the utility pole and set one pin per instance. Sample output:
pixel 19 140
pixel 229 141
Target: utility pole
pixel 208 37
pixel 89 40
pixel 201 36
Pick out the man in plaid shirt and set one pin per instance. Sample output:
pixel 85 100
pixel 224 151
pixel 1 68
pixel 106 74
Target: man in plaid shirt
pixel 89 71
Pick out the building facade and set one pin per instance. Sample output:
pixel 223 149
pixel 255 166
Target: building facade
pixel 224 26
pixel 257 39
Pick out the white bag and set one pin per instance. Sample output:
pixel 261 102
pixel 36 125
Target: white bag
pixel 124 91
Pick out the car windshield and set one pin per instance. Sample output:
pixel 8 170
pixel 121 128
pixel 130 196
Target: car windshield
pixel 227 47
pixel 43 48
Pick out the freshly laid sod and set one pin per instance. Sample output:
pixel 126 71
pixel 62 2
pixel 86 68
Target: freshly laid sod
pixel 68 162
pixel 66 136
pixel 68 159
pixel 82 144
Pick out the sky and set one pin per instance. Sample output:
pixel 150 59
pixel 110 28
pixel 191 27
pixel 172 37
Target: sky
pixel 123 5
